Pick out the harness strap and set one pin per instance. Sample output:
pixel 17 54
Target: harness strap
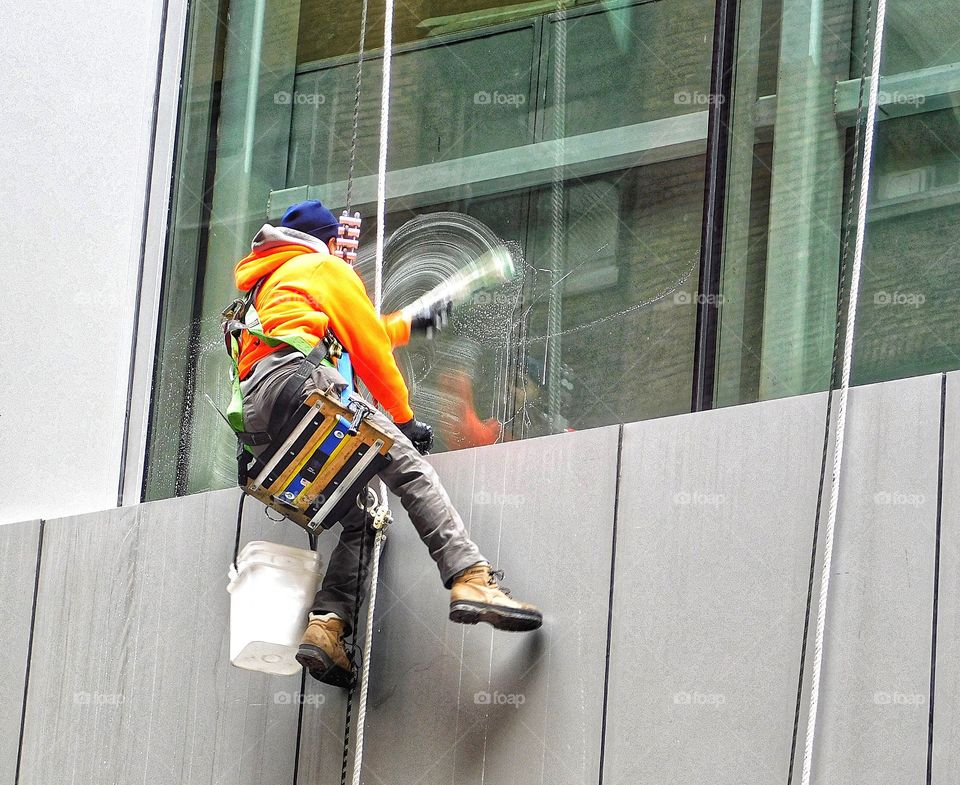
pixel 290 395
pixel 253 438
pixel 241 316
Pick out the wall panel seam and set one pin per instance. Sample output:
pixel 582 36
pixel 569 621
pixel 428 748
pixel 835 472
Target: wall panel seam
pixel 936 579
pixel 26 674
pixel 825 451
pixel 296 748
pixel 613 567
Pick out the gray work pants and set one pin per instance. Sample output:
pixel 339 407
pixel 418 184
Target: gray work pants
pixel 408 475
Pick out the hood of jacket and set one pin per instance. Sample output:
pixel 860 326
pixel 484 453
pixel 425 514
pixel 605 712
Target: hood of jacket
pixel 272 246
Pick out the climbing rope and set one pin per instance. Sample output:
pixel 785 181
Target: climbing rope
pixel 382 160
pixel 558 265
pixel 830 530
pixel 356 105
pixel 382 514
pixel 382 519
pixel 378 507
pixel 354 624
pixel 358 93
pixel 834 368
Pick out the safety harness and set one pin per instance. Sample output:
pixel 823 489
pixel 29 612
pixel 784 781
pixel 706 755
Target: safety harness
pixel 240 317
pixel 320 452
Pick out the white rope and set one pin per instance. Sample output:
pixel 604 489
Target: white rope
pixel 382 163
pixel 381 522
pixel 383 514
pixel 844 390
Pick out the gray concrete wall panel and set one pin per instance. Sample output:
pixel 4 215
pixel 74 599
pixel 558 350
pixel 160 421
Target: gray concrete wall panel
pixel 874 693
pixel 467 704
pixel 130 679
pixel 713 557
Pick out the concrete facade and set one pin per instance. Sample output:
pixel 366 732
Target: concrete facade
pixel 672 558
pixel 875 694
pixel 129 646
pixel 713 560
pixel 87 129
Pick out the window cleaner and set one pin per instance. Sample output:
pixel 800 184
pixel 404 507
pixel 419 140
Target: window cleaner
pixel 304 326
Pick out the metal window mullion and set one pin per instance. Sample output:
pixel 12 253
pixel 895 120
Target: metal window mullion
pixel 715 177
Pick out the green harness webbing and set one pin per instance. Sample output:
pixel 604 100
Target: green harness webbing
pixel 239 317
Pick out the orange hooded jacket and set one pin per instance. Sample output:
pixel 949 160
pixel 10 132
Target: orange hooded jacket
pixel 307 291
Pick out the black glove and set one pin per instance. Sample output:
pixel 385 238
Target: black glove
pixel 432 317
pixel 419 433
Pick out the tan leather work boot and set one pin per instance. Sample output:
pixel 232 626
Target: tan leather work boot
pixel 322 651
pixel 476 596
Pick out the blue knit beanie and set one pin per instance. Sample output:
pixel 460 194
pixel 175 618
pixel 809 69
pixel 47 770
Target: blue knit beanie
pixel 312 218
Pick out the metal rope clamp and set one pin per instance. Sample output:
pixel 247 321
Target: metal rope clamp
pixel 348 237
pixel 324 458
pixel 378 510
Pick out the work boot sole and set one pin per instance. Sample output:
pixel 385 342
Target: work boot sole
pixel 499 616
pixel 322 667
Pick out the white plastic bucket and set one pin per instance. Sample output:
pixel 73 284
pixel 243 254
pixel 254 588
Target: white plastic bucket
pixel 270 594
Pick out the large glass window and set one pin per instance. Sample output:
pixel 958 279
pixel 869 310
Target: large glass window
pixel 785 191
pixel 577 130
pixel 789 186
pixel 593 118
pixel 909 315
